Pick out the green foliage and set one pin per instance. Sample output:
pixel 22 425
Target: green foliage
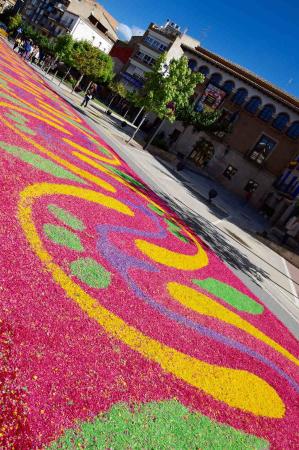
pixel 29 32
pixel 165 93
pixel 201 121
pixel 14 22
pixel 41 40
pixel 45 43
pixel 92 62
pixel 118 88
pixel 63 49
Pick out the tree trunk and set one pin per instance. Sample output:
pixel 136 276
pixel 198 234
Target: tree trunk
pixel 126 113
pixel 88 86
pixel 48 69
pixel 138 114
pixel 112 100
pixel 137 129
pixel 54 75
pixel 179 138
pixel 78 82
pixel 154 135
pixel 62 79
pixel 52 63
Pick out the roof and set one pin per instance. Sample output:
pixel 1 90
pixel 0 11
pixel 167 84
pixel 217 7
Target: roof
pixel 84 8
pixel 247 76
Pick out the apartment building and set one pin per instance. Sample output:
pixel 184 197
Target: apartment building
pixel 83 19
pixel 155 41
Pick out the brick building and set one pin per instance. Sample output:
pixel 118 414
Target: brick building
pixel 155 41
pixel 263 121
pixel 263 132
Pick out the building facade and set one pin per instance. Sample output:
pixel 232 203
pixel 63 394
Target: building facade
pixel 6 4
pixel 155 41
pixel 263 123
pixel 83 19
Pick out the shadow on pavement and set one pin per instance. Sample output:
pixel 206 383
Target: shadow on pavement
pixel 213 237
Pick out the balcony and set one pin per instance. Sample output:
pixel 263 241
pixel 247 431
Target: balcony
pixel 146 62
pixel 54 17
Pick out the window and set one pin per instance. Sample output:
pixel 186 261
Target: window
pixel 253 105
pixel 229 172
pixel 281 121
pixel 251 186
pixel 145 58
pixel 262 149
pixel 204 70
pixel 228 86
pixel 267 112
pixel 216 79
pixel 293 130
pixel 155 44
pixel 192 64
pixel 240 96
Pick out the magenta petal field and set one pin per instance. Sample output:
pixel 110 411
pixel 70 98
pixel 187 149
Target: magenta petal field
pixel 110 303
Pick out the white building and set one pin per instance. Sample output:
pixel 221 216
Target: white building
pixel 155 41
pixel 83 19
pixel 83 29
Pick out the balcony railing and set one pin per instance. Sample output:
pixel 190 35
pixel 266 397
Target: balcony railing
pixel 141 60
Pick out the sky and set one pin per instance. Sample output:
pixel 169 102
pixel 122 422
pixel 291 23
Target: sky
pixel 260 35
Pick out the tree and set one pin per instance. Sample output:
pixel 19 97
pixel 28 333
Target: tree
pixel 91 62
pixel 14 22
pixel 167 89
pixel 63 49
pixel 118 89
pixel 201 121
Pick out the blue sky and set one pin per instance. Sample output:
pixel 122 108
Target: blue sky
pixel 260 35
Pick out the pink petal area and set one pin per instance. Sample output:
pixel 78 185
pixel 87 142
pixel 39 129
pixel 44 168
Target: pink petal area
pixel 72 368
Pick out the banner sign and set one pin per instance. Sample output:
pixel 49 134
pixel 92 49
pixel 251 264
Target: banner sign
pixel 211 99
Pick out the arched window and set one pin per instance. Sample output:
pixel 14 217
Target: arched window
pixel 267 112
pixel 293 130
pixel 228 86
pixel 281 121
pixel 192 64
pixel 204 70
pixel 240 96
pixel 253 104
pixel 216 79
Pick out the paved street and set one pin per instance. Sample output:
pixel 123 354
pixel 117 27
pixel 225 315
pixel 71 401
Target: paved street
pixel 133 313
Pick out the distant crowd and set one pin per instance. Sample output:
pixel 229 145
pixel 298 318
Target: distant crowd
pixel 28 50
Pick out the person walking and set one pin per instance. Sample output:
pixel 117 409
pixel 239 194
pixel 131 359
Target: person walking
pixel 88 96
pixel 21 47
pixel 27 49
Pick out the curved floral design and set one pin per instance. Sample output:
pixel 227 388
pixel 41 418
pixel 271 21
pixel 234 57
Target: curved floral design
pixel 113 298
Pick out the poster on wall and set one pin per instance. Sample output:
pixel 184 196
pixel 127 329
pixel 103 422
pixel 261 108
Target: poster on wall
pixel 211 99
